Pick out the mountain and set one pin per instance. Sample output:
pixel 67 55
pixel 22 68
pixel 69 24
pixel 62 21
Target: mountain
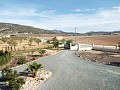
pixel 9 28
pixel 102 33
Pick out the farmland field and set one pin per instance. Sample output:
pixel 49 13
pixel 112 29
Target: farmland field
pixel 96 39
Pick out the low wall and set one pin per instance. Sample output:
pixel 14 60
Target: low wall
pixel 106 49
pixel 74 47
pixel 84 47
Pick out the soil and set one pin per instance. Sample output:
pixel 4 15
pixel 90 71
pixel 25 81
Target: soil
pixel 102 57
pixel 110 40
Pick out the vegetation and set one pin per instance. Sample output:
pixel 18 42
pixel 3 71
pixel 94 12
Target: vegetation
pixel 21 60
pixel 8 74
pixel 30 42
pixel 55 39
pixel 32 68
pixel 37 41
pixel 69 41
pixel 41 51
pixel 12 77
pixel 14 43
pixel 56 44
pixel 5 57
pixel 11 28
pixel 16 83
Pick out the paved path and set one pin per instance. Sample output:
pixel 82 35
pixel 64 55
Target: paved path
pixel 72 73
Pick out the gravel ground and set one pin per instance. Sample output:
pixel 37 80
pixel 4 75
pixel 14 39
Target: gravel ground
pixel 99 56
pixel 73 73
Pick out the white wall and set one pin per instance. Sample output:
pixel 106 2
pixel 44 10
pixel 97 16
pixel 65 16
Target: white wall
pixel 83 47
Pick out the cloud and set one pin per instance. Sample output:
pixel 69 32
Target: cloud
pixel 103 19
pixel 77 10
pixel 90 9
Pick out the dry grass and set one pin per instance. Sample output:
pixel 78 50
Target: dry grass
pixel 96 39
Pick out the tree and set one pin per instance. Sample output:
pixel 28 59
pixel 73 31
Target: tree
pixel 33 68
pixel 10 42
pixel 37 41
pixel 30 42
pixel 55 39
pixel 56 44
pixel 14 43
pixel 69 41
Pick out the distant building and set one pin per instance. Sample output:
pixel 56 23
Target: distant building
pixel 43 41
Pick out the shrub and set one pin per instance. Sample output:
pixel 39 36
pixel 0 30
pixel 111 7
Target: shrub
pixel 5 57
pixel 11 76
pixel 8 74
pixel 41 51
pixel 16 83
pixel 21 60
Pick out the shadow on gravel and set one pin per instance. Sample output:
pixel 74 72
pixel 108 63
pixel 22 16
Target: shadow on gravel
pixel 114 64
pixel 3 85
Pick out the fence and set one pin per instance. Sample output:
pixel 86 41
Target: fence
pixel 84 47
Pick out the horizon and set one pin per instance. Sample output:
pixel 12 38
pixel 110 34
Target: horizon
pixel 65 15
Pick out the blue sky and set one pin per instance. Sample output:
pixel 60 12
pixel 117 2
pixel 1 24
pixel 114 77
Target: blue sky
pixel 65 15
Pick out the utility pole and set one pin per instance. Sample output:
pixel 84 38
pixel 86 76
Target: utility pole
pixel 75 36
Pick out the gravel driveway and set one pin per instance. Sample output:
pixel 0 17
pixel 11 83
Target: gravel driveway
pixel 72 73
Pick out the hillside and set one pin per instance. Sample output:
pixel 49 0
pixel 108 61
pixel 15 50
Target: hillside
pixel 8 28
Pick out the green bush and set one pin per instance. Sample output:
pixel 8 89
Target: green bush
pixel 21 60
pixel 5 57
pixel 41 51
pixel 11 76
pixel 8 74
pixel 16 83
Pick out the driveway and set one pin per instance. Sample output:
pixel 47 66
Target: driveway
pixel 73 73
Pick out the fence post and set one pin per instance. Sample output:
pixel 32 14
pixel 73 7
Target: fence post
pixel 116 46
pixel 92 45
pixel 70 45
pixel 78 47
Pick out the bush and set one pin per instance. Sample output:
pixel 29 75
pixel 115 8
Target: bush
pixel 11 76
pixel 16 83
pixel 41 51
pixel 5 57
pixel 21 60
pixel 8 74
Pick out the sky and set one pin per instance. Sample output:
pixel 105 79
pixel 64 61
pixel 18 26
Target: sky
pixel 65 15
